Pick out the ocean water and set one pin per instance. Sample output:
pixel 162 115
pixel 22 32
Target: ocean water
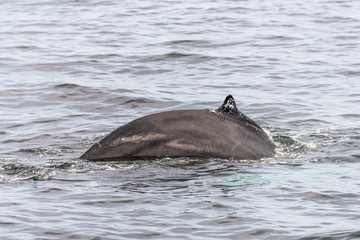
pixel 73 71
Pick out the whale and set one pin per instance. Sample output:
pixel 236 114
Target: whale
pixel 224 133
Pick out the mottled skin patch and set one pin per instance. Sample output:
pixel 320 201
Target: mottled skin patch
pixel 136 138
pixel 223 133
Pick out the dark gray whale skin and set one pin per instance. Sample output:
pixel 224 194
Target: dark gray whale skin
pixel 221 133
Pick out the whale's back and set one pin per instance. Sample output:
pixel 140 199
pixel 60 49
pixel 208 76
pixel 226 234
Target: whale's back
pixel 185 133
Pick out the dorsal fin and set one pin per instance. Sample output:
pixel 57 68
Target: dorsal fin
pixel 229 106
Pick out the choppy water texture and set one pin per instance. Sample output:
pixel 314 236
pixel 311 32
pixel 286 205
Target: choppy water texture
pixel 72 71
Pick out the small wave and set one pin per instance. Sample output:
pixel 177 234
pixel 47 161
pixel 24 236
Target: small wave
pixel 59 66
pixel 335 19
pixel 281 38
pixel 42 151
pixel 350 115
pixel 21 140
pixel 151 71
pixel 26 47
pixel 343 235
pixel 139 100
pixel 348 37
pixel 83 166
pixel 66 85
pixel 350 73
pixel 173 56
pixel 243 180
pixel 187 42
pixel 289 145
pixel 104 56
pixel 14 172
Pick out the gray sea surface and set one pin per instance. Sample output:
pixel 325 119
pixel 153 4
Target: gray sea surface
pixel 73 71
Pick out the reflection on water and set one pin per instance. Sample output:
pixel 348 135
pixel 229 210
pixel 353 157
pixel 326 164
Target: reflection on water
pixel 72 71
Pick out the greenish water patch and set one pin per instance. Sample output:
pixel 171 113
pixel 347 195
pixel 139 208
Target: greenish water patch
pixel 304 175
pixel 239 180
pixel 288 144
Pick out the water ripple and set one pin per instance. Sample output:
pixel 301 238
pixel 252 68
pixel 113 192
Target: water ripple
pixel 73 71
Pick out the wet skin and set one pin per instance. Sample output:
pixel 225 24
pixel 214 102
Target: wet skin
pixel 221 133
